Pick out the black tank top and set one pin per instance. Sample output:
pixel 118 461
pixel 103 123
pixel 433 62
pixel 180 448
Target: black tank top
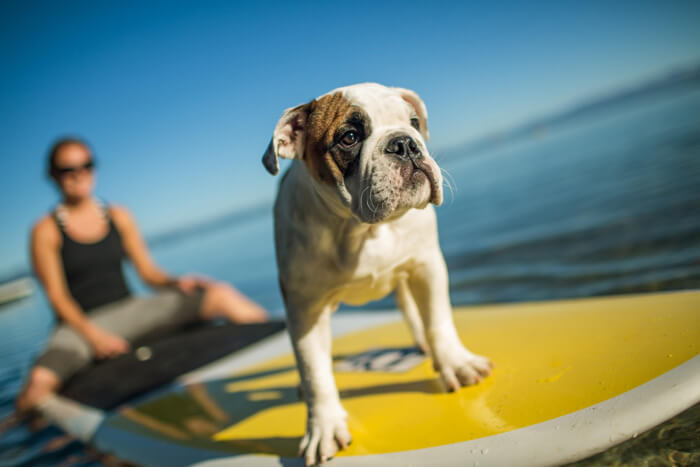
pixel 93 271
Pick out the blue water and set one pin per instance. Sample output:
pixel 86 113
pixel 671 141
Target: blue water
pixel 605 203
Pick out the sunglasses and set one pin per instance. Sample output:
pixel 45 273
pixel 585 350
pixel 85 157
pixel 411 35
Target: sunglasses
pixel 61 171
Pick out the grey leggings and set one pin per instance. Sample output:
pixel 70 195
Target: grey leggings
pixel 132 318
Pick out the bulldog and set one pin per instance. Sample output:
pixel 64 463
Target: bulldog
pixel 354 221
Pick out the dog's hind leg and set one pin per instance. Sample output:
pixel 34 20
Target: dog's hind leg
pixel 407 305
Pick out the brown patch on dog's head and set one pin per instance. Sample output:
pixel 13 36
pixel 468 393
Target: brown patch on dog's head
pixel 314 132
pixel 326 115
pixel 330 118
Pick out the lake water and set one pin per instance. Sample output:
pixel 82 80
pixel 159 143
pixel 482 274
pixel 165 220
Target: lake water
pixel 605 203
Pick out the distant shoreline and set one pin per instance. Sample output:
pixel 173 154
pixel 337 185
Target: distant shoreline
pixel 681 77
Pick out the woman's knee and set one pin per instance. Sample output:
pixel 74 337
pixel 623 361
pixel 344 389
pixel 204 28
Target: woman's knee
pixel 215 298
pixel 223 301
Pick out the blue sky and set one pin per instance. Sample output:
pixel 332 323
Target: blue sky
pixel 179 99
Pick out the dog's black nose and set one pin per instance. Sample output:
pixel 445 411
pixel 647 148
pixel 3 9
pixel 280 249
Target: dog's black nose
pixel 403 146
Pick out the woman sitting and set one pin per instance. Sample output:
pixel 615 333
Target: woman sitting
pixel 77 253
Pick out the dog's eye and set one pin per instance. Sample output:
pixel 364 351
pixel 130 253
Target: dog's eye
pixel 415 123
pixel 349 139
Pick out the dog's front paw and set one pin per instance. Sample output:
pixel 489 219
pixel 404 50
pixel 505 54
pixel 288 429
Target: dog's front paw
pixel 326 433
pixel 462 368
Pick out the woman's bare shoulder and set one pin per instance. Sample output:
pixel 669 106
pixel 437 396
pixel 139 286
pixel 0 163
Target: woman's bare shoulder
pixel 118 210
pixel 121 215
pixel 45 230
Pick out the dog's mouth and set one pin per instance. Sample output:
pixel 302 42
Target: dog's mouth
pixel 426 172
pixel 388 191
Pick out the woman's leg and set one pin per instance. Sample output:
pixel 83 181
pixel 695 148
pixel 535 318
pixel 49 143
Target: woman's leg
pixel 39 396
pixel 41 383
pixel 223 301
pixel 65 354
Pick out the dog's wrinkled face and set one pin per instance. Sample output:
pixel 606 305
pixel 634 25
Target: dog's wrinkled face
pixel 366 143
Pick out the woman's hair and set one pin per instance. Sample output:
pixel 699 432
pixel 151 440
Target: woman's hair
pixel 56 148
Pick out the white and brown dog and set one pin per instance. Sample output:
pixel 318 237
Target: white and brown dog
pixel 353 222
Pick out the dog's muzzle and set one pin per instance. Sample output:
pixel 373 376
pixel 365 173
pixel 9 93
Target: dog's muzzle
pixel 405 148
pixel 408 152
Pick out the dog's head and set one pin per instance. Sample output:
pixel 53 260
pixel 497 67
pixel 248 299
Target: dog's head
pixel 364 144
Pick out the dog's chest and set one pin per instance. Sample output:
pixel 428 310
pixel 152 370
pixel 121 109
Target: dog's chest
pixel 380 263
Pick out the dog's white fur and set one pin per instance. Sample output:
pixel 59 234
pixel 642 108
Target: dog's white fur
pixel 333 246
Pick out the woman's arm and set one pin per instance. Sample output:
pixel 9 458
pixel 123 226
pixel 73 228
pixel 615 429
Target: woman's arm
pixel 45 246
pixel 137 250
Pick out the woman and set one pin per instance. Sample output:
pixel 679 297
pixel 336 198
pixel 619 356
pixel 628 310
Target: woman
pixel 77 252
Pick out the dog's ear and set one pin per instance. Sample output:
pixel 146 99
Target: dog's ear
pixel 289 138
pixel 417 103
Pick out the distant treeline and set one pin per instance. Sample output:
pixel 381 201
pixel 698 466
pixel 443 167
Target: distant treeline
pixel 677 79
pixel 232 217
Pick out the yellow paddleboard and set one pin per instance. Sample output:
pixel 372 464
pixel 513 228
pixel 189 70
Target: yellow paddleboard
pixel 571 378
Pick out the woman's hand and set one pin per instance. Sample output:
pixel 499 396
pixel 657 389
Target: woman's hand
pixel 105 344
